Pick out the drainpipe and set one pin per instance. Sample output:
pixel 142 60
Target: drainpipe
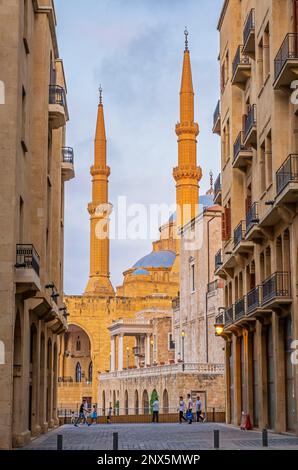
pixel 206 294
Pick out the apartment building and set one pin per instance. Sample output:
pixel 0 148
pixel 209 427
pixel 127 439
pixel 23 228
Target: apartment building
pixel 257 121
pixel 35 164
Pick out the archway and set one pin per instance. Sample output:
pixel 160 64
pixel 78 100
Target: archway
pixel 42 380
pixel 33 376
pixel 145 402
pixel 55 383
pixel 165 401
pixel 77 350
pixel 126 409
pixel 136 402
pixel 17 374
pixel 49 380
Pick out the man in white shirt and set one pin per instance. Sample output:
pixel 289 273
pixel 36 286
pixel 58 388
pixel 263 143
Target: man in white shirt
pixel 199 410
pixel 181 410
pixel 155 411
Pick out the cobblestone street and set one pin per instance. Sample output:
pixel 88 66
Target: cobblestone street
pixel 158 437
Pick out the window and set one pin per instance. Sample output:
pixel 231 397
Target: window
pixel 90 372
pixel 260 64
pixel 262 168
pixel 192 277
pixel 21 221
pixel 78 344
pixel 24 120
pixel 78 372
pixel 266 52
pixel 171 342
pixel 226 223
pixel 268 159
pixel 25 27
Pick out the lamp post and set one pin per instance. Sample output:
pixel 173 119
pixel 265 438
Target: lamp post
pixel 127 355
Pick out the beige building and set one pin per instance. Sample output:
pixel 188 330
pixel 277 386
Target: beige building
pixel 35 165
pixel 257 122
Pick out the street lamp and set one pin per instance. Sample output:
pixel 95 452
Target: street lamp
pixel 127 352
pixel 219 328
pixel 183 337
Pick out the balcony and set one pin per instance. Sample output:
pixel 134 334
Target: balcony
pixel 276 290
pixel 27 271
pixel 254 300
pixel 229 316
pixel 241 244
pixel 218 260
pixel 287 181
pixel 240 309
pixel 242 155
pixel 250 127
pixel 67 163
pixel 217 190
pixel 241 69
pixel 216 119
pixel 286 62
pixel 249 43
pixel 58 113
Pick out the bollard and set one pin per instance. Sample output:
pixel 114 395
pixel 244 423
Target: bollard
pixel 115 441
pixel 216 439
pixel 213 415
pixel 59 442
pixel 265 438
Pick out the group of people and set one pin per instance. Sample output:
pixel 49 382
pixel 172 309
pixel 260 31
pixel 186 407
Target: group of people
pixel 186 412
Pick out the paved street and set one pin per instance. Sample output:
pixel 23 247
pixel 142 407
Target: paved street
pixel 159 437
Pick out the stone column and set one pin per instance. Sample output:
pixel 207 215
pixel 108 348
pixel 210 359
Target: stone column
pixel 147 349
pixel 262 376
pixel 228 380
pixel 120 352
pixel 279 374
pixel 113 353
pixel 237 380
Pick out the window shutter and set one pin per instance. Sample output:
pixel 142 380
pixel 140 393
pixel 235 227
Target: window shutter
pixel 228 222
pixel 223 227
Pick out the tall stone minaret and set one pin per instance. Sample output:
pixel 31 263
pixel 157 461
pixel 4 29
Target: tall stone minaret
pixel 99 209
pixel 187 174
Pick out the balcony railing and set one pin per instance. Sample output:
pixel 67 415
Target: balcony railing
pixel 240 308
pixel 229 315
pixel 287 51
pixel 216 118
pixel 253 299
pixel 287 173
pixel 218 259
pixel 251 120
pixel 239 59
pixel 67 155
pixel 217 186
pixel 57 95
pixel 212 287
pixel 238 145
pixel 276 285
pixel 27 258
pixel 249 26
pixel 219 319
pixel 252 216
pixel 239 233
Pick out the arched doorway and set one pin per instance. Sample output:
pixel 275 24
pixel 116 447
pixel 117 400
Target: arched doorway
pixel 55 383
pixel 49 381
pixel 145 402
pixel 78 373
pixel 126 409
pixel 136 402
pixel 165 401
pixel 42 380
pixel 77 350
pixel 17 374
pixel 33 376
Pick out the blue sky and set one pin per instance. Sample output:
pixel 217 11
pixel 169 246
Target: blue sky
pixel 134 48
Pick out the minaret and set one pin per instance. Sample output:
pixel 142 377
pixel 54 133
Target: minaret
pixel 187 174
pixel 99 209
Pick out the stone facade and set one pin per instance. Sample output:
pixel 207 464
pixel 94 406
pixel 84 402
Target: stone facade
pixel 35 165
pixel 257 122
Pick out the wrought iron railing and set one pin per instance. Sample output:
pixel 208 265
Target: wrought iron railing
pixel 240 308
pixel 254 299
pixel 229 315
pixel 249 26
pixel 218 259
pixel 67 155
pixel 217 185
pixel 287 173
pixel 276 285
pixel 216 114
pixel 252 216
pixel 287 51
pixel 239 233
pixel 219 319
pixel 238 145
pixel 57 95
pixel 27 258
pixel 251 120
pixel 239 59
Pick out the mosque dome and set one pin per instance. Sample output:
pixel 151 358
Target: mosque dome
pixel 140 272
pixel 157 259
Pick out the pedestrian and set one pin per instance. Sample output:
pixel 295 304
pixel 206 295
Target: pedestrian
pixel 93 416
pixel 181 410
pixel 72 417
pixel 155 410
pixel 82 415
pixel 189 414
pixel 199 410
pixel 109 415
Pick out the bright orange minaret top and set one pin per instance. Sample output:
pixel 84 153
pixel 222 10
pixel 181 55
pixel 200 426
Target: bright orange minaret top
pixel 187 174
pixel 99 209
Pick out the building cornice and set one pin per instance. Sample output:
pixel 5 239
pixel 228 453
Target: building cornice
pixel 222 14
pixel 49 10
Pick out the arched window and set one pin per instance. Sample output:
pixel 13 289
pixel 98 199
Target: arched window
pixel 126 402
pixel 90 371
pixel 78 372
pixel 78 344
pixel 136 402
pixel 165 402
pixel 145 402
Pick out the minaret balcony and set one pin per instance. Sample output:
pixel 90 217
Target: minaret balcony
pixel 188 127
pixel 286 62
pixel 67 163
pixel 241 69
pixel 27 271
pixel 182 172
pixel 98 170
pixel 217 119
pixel 58 113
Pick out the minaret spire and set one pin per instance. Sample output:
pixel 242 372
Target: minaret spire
pixel 187 174
pixel 99 209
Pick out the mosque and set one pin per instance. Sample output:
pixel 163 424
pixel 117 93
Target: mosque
pixel 120 344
